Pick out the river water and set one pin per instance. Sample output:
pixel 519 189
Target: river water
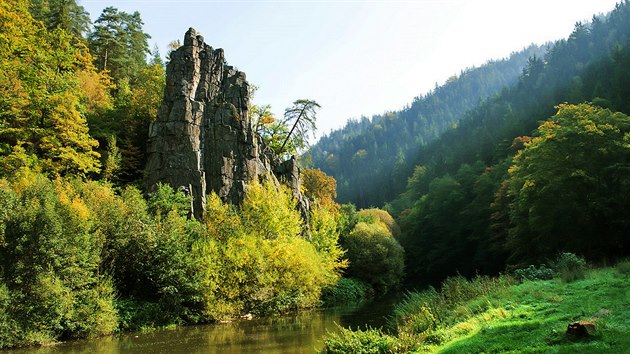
pixel 297 333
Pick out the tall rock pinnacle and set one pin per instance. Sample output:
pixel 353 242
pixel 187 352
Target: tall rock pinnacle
pixel 202 141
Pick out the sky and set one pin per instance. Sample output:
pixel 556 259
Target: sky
pixel 356 58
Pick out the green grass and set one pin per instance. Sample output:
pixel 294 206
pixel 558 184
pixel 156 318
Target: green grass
pixel 506 317
pixel 535 316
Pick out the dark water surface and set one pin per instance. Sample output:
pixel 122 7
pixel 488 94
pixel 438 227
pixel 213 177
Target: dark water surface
pixel 298 333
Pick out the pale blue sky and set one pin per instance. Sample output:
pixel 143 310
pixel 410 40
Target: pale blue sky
pixel 356 58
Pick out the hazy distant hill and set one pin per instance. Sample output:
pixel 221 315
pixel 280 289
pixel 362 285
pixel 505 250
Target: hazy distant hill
pixel 369 157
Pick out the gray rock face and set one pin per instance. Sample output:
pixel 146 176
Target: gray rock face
pixel 202 141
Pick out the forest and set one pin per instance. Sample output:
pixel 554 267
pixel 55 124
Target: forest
pixel 530 186
pixel 369 158
pixel 537 168
pixel 514 171
pixel 86 252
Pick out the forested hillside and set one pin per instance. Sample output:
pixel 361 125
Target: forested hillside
pixel 369 157
pixel 497 190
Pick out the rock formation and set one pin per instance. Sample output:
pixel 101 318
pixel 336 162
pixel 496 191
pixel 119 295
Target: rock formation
pixel 202 140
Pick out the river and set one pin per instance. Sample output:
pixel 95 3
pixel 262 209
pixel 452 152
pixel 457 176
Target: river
pixel 296 333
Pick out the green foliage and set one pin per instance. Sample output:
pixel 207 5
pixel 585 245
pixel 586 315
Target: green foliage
pixel 568 183
pixel 347 290
pixel 324 235
pixel 165 199
pixel 112 159
pixel 10 331
pixel 40 96
pixel 437 245
pixel 372 158
pixel 375 256
pixel 270 217
pixel 348 218
pixel 534 273
pixel 266 269
pixel 289 135
pixel 497 315
pixel 375 215
pixel 623 266
pixel 118 43
pixel 171 269
pixel 135 315
pixel 569 267
pixel 369 341
pixel 50 264
pixel 67 15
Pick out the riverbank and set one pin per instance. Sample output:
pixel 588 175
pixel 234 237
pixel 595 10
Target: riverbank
pixel 506 315
pixel 298 332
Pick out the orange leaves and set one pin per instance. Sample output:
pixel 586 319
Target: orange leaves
pixel 319 186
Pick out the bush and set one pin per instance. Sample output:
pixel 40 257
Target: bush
pixel 165 199
pixel 374 215
pixel 50 261
pixel 137 314
pixel 368 341
pixel 533 273
pixel 375 256
pixel 421 321
pixel 569 267
pixel 260 262
pixel 623 266
pixel 324 235
pixel 347 290
pixel 10 331
pixel 348 218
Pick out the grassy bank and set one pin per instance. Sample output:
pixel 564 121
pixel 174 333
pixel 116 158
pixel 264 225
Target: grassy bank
pixel 498 315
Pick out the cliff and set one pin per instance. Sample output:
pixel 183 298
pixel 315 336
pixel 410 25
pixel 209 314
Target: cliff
pixel 202 141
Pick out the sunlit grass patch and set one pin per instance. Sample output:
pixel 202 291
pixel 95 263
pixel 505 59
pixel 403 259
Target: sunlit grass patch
pixel 531 317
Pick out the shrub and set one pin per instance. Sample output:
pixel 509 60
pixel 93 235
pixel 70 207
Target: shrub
pixel 375 256
pixel 137 314
pixel 10 331
pixel 324 235
pixel 348 218
pixel 270 212
pixel 260 261
pixel 347 290
pixel 374 215
pixel 569 267
pixel 171 269
pixel 421 321
pixel 413 302
pixel 166 199
pixel 623 266
pixel 50 262
pixel 534 273
pixel 367 341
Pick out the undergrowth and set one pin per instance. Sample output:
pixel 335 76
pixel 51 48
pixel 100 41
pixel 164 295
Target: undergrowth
pixel 495 315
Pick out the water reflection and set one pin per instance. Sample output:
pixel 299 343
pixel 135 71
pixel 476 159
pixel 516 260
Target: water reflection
pixel 299 333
